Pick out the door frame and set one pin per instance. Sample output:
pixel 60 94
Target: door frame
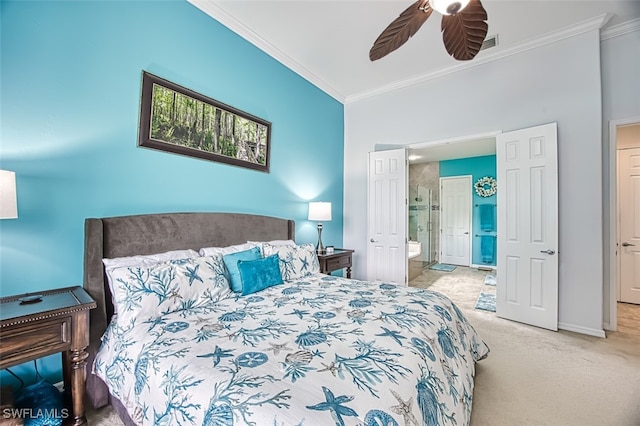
pixel 451 141
pixel 614 278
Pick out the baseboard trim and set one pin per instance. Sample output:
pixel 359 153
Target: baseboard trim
pixel 582 330
pixel 607 327
pixel 477 266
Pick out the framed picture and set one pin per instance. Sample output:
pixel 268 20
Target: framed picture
pixel 178 120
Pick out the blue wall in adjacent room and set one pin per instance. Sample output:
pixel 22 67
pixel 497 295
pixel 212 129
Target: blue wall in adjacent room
pixel 70 82
pixel 477 167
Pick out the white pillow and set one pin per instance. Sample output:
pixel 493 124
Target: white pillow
pixel 295 261
pixel 275 242
pixel 148 260
pixel 141 293
pixel 212 251
pixel 278 243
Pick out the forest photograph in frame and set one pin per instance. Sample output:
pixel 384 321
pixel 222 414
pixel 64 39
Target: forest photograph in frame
pixel 179 120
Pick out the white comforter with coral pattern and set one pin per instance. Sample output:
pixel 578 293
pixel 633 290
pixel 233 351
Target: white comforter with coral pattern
pixel 320 350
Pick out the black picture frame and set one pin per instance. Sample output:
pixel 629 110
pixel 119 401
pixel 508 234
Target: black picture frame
pixel 178 120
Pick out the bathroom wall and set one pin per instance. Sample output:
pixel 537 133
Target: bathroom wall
pixel 477 167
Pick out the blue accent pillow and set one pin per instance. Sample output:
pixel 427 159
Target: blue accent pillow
pixel 231 262
pixel 259 274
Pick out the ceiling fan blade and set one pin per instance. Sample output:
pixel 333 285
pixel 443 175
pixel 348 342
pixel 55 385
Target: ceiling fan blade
pixel 464 32
pixel 400 30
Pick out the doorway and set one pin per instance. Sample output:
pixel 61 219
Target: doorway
pixel 624 294
pixel 471 155
pixel 527 165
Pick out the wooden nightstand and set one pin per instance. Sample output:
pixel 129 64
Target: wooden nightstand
pixel 59 322
pixel 339 259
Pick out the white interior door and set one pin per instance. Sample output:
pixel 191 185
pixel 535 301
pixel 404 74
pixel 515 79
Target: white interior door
pixel 455 220
pixel 387 217
pixel 629 220
pixel 527 175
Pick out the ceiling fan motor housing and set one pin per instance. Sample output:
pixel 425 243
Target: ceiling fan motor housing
pixel 448 7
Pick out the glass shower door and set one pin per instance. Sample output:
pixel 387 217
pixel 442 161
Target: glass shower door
pixel 423 203
pixel 420 219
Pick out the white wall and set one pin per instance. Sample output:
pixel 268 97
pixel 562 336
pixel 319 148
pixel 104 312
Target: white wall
pixel 559 82
pixel 620 100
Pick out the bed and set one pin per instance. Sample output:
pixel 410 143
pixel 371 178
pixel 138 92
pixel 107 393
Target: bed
pixel 313 350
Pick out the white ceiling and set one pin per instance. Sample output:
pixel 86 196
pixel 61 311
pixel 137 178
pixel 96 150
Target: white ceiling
pixel 328 41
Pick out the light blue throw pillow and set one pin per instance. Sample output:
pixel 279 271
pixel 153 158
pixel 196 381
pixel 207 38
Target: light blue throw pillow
pixel 231 262
pixel 259 274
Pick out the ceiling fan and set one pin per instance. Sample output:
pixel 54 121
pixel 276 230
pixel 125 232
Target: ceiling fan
pixel 464 28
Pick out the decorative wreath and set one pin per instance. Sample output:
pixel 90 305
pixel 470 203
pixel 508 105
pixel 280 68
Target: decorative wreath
pixel 486 186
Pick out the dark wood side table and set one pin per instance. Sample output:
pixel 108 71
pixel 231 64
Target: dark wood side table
pixel 59 322
pixel 339 259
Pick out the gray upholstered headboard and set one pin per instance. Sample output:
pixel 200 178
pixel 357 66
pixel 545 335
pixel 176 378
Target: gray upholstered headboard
pixel 157 233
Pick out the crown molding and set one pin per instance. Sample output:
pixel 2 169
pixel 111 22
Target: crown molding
pixel 220 15
pixel 620 29
pixel 545 39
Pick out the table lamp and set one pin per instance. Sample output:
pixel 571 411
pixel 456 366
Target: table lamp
pixel 320 211
pixel 8 197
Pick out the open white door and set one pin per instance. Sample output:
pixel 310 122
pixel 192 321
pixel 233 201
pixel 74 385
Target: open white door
pixel 455 220
pixel 527 175
pixel 629 213
pixel 387 217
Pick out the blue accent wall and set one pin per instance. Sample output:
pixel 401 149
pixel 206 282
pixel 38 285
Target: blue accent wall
pixel 477 167
pixel 70 90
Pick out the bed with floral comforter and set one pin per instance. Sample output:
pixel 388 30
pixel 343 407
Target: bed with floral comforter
pixel 315 350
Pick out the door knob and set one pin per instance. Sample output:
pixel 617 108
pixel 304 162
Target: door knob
pixel 626 244
pixel 549 252
pixel 373 241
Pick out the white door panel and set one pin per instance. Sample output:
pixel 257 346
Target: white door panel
pixel 527 277
pixel 387 221
pixel 455 220
pixel 629 213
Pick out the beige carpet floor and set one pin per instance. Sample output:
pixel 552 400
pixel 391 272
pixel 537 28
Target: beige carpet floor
pixel 533 376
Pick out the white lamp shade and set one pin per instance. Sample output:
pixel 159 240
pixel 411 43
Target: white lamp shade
pixel 448 7
pixel 320 211
pixel 8 198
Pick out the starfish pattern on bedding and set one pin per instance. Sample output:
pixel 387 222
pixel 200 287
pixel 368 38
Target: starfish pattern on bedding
pixel 192 274
pixel 299 313
pixel 404 408
pixel 393 334
pixel 335 405
pixel 277 347
pixel 332 368
pixel 217 355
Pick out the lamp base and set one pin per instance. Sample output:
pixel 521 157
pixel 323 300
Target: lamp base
pixel 319 246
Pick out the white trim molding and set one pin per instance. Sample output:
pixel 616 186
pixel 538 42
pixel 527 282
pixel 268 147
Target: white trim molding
pixel 582 330
pixel 545 39
pixel 620 29
pixel 223 17
pixel 219 14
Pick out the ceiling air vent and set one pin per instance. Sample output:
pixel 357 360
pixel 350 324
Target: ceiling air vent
pixel 489 42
